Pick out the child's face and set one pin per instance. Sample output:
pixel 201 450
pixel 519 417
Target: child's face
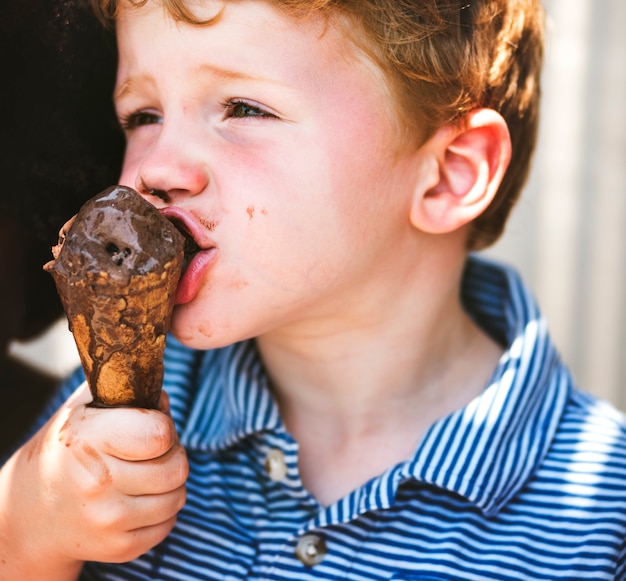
pixel 277 147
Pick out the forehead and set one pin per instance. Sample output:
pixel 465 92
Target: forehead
pixel 263 17
pixel 252 32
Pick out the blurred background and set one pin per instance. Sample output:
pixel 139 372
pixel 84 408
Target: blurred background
pixel 567 236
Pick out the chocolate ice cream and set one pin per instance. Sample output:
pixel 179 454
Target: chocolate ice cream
pixel 116 268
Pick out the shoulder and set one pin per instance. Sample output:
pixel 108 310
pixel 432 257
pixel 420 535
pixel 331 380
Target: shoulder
pixel 595 417
pixel 580 484
pixel 590 444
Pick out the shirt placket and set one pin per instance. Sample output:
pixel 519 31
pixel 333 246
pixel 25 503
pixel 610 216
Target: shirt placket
pixel 296 537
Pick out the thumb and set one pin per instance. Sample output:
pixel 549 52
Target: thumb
pixel 81 396
pixel 164 403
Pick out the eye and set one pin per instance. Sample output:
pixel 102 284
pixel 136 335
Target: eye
pixel 239 109
pixel 139 118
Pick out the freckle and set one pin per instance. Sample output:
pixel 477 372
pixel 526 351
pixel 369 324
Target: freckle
pixel 240 283
pixel 264 211
pixel 210 225
pixel 250 210
pixel 206 331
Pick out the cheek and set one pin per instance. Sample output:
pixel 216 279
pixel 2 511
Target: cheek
pixel 357 170
pixel 307 214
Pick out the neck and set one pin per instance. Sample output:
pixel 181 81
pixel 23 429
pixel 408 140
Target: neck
pixel 366 371
pixel 358 391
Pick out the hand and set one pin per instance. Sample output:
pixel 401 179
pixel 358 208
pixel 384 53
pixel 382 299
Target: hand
pixel 93 484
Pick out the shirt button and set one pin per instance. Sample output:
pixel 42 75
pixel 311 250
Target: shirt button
pixel 275 465
pixel 311 549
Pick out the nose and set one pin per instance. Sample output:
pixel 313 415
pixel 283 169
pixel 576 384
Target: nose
pixel 170 169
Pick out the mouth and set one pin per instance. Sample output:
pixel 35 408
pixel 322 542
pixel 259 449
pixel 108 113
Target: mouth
pixel 200 252
pixel 186 227
pixel 190 248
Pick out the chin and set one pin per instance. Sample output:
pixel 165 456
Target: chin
pixel 201 336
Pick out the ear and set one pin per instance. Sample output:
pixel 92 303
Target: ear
pixel 466 164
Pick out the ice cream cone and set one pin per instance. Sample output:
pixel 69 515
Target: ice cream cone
pixel 116 269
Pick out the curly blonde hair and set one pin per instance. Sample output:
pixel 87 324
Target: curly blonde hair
pixel 443 58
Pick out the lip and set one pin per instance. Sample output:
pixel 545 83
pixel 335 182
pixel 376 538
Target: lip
pixel 192 277
pixel 198 259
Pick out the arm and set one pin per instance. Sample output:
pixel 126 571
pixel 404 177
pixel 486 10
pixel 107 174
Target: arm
pixel 92 484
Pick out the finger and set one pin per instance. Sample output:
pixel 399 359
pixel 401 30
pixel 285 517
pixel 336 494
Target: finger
pixel 152 510
pixel 127 513
pixel 81 396
pixel 164 403
pixel 154 534
pixel 132 434
pixel 156 476
pixel 126 546
pixel 147 537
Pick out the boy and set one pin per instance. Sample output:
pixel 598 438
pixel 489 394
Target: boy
pixel 354 397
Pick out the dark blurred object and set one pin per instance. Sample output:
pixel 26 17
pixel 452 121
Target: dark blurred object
pixel 60 145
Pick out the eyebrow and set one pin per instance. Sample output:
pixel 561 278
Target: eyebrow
pixel 129 83
pixel 227 74
pixel 220 73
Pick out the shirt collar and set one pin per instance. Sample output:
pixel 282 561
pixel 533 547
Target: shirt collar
pixel 488 450
pixel 232 400
pixel 484 452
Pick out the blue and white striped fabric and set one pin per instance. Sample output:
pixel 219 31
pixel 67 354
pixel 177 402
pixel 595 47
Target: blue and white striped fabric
pixel 528 482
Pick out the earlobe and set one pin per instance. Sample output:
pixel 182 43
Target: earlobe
pixel 470 161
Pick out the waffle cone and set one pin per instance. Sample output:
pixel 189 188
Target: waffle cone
pixel 119 321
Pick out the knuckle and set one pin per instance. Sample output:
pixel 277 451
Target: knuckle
pixel 108 518
pixel 161 436
pixel 89 487
pixel 174 471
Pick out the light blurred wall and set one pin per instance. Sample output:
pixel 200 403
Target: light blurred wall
pixel 568 234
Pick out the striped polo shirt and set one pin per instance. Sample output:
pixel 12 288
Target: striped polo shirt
pixel 527 482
